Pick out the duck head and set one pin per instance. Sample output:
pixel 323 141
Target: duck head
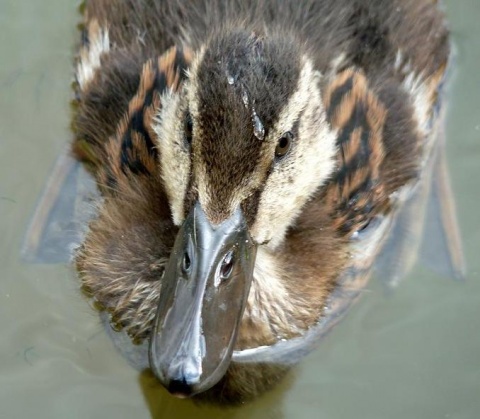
pixel 243 146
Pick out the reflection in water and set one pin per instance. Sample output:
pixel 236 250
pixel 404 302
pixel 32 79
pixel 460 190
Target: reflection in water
pixel 162 405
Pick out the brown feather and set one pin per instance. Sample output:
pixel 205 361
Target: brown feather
pixel 356 192
pixel 379 147
pixel 135 204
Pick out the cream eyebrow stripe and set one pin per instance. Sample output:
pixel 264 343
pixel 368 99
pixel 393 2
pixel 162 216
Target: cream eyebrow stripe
pixel 311 161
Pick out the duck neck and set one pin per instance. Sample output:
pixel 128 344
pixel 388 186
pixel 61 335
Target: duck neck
pixel 274 310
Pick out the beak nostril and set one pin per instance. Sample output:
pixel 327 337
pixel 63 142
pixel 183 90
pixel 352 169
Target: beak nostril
pixel 186 263
pixel 226 267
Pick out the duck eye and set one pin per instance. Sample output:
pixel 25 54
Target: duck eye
pixel 188 127
pixel 226 268
pixel 284 144
pixel 366 228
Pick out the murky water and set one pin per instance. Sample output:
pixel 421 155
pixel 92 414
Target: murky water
pixel 414 354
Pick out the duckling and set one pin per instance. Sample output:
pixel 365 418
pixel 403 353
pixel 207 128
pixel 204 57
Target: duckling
pixel 251 157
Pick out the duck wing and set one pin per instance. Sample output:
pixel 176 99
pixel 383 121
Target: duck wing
pixel 60 220
pixel 113 166
pixel 426 226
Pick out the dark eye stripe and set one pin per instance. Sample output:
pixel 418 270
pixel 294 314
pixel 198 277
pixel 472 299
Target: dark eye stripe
pixel 188 127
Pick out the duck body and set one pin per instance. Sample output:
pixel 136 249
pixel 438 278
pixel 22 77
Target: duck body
pixel 256 151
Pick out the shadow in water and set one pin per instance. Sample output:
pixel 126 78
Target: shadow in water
pixel 163 405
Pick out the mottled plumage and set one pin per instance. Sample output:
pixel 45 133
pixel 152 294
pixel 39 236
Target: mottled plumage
pixel 184 102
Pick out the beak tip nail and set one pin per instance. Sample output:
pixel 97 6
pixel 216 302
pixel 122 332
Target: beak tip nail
pixel 180 389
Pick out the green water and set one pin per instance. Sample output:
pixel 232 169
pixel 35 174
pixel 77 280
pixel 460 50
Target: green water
pixel 415 354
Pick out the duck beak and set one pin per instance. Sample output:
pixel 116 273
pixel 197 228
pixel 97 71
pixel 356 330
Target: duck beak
pixel 202 299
